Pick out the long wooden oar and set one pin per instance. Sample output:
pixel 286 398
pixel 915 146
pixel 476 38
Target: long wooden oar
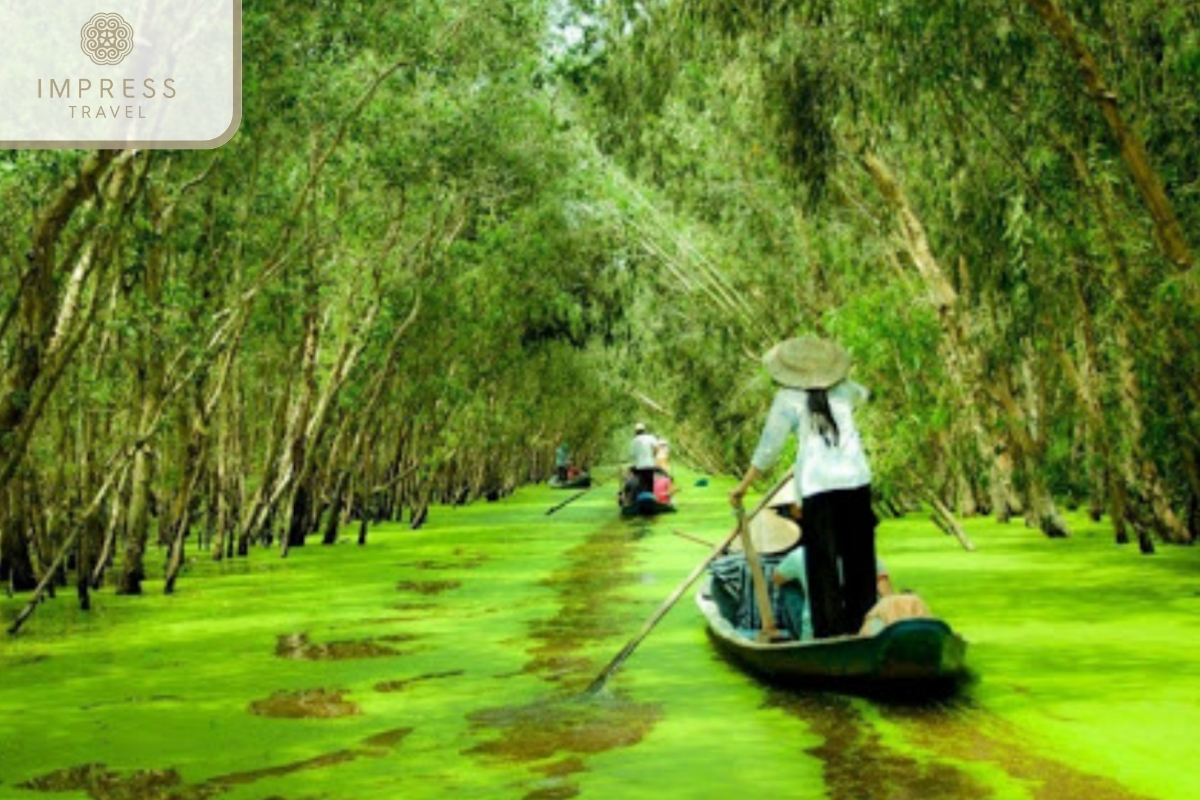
pixel 570 500
pixel 691 538
pixel 762 595
pixel 595 483
pixel 612 666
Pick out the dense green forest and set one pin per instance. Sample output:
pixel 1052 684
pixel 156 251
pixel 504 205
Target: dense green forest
pixel 449 236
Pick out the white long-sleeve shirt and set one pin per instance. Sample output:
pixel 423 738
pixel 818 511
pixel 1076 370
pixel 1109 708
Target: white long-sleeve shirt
pixel 642 450
pixel 820 467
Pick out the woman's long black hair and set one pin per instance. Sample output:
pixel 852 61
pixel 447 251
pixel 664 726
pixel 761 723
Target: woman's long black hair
pixel 822 416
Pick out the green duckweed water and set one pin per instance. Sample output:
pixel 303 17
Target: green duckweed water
pixel 450 661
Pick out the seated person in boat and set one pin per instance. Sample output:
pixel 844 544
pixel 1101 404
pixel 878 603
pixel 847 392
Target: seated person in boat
pixel 662 486
pixel 893 607
pixel 662 456
pixel 791 572
pixel 630 487
pixel 774 534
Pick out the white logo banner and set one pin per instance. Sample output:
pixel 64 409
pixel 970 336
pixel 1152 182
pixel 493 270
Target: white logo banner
pixel 120 73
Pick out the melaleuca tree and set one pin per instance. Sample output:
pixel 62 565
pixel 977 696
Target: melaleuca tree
pixel 983 160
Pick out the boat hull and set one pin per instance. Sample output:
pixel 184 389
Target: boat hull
pixel 646 506
pixel 578 482
pixel 914 654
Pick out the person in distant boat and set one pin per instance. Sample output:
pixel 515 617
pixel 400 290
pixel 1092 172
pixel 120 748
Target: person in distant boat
pixel 663 488
pixel 641 451
pixel 662 456
pixel 816 401
pixel 562 462
pixel 628 491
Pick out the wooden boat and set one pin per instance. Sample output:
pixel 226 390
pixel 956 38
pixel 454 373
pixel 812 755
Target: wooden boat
pixel 646 505
pixel 581 481
pixel 909 656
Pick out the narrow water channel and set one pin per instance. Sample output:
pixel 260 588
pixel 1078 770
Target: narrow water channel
pixel 452 660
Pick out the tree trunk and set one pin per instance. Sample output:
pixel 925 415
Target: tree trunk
pixel 1134 482
pixel 962 356
pixel 89 541
pixel 1133 151
pixel 137 525
pixel 1042 512
pixel 38 307
pixel 110 537
pixel 16 564
pixel 945 519
pixel 298 519
pixel 197 459
pixel 1004 502
pixel 335 509
pixel 115 477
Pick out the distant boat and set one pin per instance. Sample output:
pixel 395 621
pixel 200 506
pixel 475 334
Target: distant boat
pixel 912 654
pixel 645 505
pixel 581 481
pixel 635 503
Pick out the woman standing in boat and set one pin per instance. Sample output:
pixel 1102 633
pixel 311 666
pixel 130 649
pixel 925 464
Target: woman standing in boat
pixel 816 402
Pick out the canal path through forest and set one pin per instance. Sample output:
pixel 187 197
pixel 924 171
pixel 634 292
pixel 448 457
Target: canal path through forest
pixel 451 661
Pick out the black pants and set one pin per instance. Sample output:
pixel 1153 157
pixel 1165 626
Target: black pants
pixel 645 479
pixel 839 529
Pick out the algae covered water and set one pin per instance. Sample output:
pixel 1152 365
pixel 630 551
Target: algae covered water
pixel 450 661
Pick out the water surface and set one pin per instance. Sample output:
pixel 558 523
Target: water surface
pixel 451 660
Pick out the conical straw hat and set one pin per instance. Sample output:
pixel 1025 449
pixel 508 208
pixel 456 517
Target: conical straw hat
pixel 807 362
pixel 769 533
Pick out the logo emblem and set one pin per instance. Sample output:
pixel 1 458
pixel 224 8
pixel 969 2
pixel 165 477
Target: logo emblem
pixel 106 39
